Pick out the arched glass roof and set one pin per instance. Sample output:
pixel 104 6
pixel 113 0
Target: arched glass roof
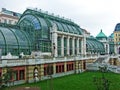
pixel 94 45
pixel 42 21
pixel 14 41
pixel 30 19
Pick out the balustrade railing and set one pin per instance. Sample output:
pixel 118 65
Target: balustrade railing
pixel 32 61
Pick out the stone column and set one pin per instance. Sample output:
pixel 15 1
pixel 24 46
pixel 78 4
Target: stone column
pixel 108 49
pixel 54 41
pixel 54 44
pixel 65 67
pixel 78 46
pixel 54 68
pixel 73 46
pixel 83 46
pixel 68 46
pixel 42 71
pixel 116 49
pixel 62 45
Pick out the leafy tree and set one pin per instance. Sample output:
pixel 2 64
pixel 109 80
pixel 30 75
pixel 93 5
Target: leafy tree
pixel 5 79
pixel 102 83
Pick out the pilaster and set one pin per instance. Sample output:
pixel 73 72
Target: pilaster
pixel 78 46
pixel 62 45
pixel 68 46
pixel 73 46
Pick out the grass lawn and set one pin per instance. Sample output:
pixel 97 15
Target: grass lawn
pixel 82 81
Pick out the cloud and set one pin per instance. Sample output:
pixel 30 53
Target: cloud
pixel 92 15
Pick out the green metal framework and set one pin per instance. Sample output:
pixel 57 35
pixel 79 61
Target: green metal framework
pixel 94 46
pixel 32 32
pixel 41 24
pixel 59 45
pixel 14 40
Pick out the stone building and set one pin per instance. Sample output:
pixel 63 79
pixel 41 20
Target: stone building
pixel 9 17
pixel 41 44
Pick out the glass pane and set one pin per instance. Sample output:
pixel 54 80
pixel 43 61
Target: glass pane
pixel 65 28
pixel 45 32
pixel 60 27
pixel 9 36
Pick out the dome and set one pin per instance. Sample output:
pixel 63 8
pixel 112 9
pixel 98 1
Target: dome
pixel 101 35
pixel 111 36
pixel 117 27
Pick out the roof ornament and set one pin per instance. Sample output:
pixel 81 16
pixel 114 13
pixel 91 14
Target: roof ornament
pixel 46 12
pixel 52 14
pixel 39 10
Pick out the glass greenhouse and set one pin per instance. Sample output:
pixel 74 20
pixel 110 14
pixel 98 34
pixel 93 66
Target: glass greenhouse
pixel 33 33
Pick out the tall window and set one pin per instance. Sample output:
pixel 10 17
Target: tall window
pixel 22 74
pixel 45 71
pixel 59 46
pixel 60 68
pixel 80 46
pixel 69 67
pixel 16 75
pixel 65 46
pixel 70 43
pixel 75 46
pixel 0 74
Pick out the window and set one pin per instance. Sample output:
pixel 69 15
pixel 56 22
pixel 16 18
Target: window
pixel 5 20
pixel 15 22
pixel 16 75
pixel 59 68
pixel 57 71
pixel 10 22
pixel 22 74
pixel 45 71
pixel 0 74
pixel 69 67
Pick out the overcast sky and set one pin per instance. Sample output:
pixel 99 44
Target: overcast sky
pixel 92 15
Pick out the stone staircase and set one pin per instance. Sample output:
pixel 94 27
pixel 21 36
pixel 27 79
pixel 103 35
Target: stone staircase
pixel 101 62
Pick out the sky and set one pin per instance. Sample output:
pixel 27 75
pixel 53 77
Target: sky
pixel 92 15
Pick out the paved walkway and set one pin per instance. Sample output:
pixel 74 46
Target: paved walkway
pixel 27 88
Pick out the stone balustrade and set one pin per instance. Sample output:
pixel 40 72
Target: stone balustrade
pixel 34 61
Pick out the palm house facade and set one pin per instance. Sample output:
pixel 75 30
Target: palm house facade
pixel 40 40
pixel 36 31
